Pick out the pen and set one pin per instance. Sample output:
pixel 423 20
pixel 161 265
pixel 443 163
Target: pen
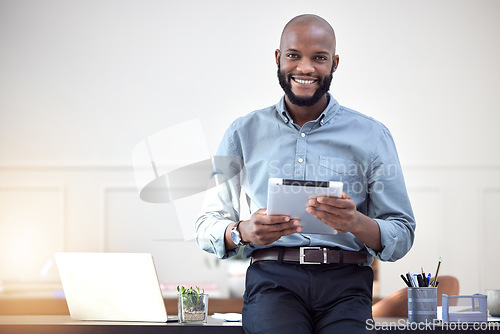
pixel 406 281
pixel 408 276
pixel 419 280
pixel 434 282
pixel 424 281
pixel 416 281
pixel 428 279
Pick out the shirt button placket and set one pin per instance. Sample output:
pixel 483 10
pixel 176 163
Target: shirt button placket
pixel 300 169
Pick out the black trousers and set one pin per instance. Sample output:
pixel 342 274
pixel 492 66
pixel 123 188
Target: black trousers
pixel 294 298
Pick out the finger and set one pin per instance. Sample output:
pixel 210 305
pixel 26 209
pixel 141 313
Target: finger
pixel 325 217
pixel 291 230
pixel 332 201
pixel 340 203
pixel 320 214
pixel 292 224
pixel 334 210
pixel 276 219
pixel 261 216
pixel 266 236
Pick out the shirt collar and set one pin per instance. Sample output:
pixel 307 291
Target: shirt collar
pixel 327 114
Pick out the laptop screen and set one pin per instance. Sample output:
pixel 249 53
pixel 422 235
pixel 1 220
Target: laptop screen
pixel 111 286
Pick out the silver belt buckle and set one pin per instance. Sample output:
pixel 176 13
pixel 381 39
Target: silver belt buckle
pixel 302 255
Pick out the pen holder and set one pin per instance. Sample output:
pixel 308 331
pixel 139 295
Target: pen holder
pixel 422 304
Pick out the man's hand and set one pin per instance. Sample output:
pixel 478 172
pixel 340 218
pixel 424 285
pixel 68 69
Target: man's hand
pixel 338 213
pixel 262 229
pixel 341 215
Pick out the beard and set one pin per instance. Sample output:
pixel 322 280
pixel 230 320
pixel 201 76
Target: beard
pixel 324 87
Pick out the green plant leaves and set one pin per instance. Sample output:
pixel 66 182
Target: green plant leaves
pixel 191 297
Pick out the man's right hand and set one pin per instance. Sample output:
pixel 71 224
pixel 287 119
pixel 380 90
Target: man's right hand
pixel 263 230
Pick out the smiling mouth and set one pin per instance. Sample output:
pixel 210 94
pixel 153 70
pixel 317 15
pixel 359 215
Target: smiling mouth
pixel 304 81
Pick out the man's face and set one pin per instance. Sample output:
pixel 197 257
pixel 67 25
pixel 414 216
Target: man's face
pixel 306 62
pixel 323 86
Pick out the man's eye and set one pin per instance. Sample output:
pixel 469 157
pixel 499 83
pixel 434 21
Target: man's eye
pixel 292 55
pixel 321 58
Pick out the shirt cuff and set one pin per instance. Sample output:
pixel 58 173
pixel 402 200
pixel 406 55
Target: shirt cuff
pixel 217 240
pixel 388 241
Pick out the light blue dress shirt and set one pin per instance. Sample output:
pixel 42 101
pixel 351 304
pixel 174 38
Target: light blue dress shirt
pixel 340 145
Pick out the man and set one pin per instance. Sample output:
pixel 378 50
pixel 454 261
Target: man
pixel 309 136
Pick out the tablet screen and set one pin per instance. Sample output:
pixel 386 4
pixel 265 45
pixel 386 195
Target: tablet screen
pixel 291 197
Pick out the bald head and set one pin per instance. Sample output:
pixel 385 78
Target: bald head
pixel 311 22
pixel 306 61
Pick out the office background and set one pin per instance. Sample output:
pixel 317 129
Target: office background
pixel 83 82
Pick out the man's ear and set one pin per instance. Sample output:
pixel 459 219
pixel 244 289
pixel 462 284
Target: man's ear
pixel 336 60
pixel 277 55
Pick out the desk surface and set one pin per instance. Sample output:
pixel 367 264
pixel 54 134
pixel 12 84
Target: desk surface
pixel 64 324
pixel 55 324
pixel 58 306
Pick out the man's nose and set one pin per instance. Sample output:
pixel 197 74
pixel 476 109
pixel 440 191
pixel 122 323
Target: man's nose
pixel 305 66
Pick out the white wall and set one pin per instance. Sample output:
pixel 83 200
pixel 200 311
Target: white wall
pixel 82 82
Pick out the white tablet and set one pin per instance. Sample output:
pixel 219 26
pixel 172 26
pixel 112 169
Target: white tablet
pixel 291 197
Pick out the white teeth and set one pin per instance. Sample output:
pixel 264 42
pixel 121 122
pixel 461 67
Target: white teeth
pixel 305 82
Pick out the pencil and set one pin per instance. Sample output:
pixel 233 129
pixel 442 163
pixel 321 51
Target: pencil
pixel 434 281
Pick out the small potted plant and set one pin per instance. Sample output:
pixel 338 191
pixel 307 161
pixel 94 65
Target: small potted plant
pixel 192 305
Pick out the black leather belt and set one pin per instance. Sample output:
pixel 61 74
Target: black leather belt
pixel 308 255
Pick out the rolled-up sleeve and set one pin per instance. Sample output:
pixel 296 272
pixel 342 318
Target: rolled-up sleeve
pixel 389 203
pixel 222 203
pixel 219 211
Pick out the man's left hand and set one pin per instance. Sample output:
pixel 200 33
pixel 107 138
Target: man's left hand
pixel 338 213
pixel 341 215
